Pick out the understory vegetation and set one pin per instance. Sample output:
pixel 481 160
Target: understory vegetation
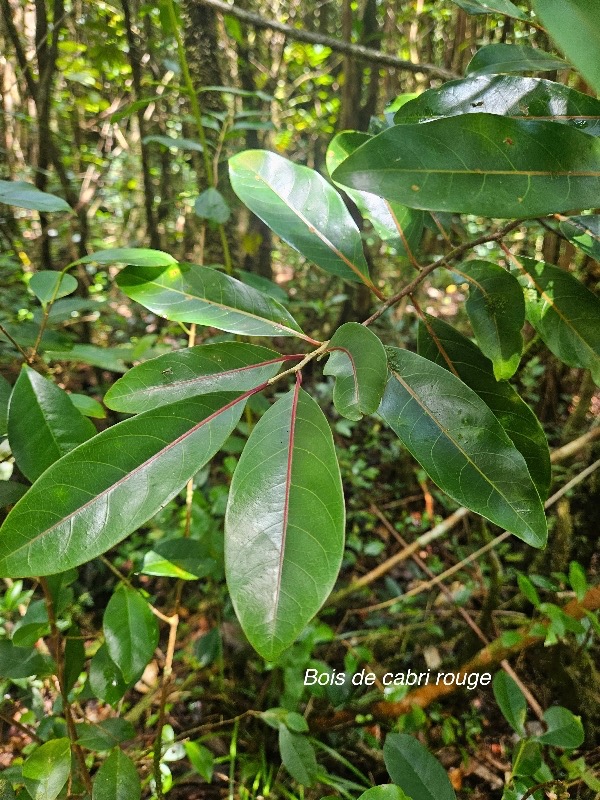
pixel 299 368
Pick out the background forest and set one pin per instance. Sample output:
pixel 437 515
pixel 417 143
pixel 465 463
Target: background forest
pixel 124 132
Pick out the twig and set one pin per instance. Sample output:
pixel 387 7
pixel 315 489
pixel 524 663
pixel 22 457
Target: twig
pixel 14 342
pixel 358 50
pixel 440 262
pixel 60 675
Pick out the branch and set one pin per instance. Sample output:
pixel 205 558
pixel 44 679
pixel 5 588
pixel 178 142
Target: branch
pixel 440 262
pixel 348 48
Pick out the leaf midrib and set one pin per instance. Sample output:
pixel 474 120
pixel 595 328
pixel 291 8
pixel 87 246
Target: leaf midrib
pixel 231 309
pixel 125 477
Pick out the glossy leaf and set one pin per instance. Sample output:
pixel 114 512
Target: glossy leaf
pixel 99 493
pixel 43 423
pixel 584 233
pixel 10 492
pixel 491 7
pixel 515 416
pixel 106 680
pixel 178 558
pixel 47 769
pixel 359 364
pixel 227 366
pixel 201 759
pixel 498 58
pixel 388 791
pixel 211 205
pixel 564 313
pixel 5 390
pixel 507 96
pixel 534 168
pixel 88 406
pixel 575 27
pixel 22 662
pixel 496 310
pixel 135 256
pixel 207 297
pixel 284 525
pixel 32 625
pixel 511 701
pixel 26 195
pixel 298 756
pixel 396 224
pixel 104 735
pixel 564 728
pixel 461 445
pixel 130 632
pixel 50 285
pixel 412 767
pixel 117 779
pixel 264 285
pixel 303 209
pixel 74 657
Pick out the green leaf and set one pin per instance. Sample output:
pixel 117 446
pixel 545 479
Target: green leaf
pixel 412 767
pixel 178 558
pixel 564 313
pixel 490 7
pixel 578 579
pixel 528 590
pixel 26 195
pixel 396 224
pixel 575 27
pixel 106 681
pixel 43 423
pixel 227 366
pixel 511 701
pixel 207 297
pixel 303 209
pixel 74 656
pixel 298 756
pixel 264 285
pixel 528 759
pixel 584 233
pixel 117 779
pixel 388 791
pixel 359 364
pixel 99 493
pixel 47 769
pixel 515 416
pixel 32 626
pixel 498 58
pixel 534 168
pixel 50 285
pixel 564 728
pixel 211 205
pixel 284 525
pixel 496 310
pixel 201 759
pixel 10 492
pixel 176 144
pixel 5 390
pixel 88 406
pixel 109 358
pixel 507 96
pixel 135 256
pixel 130 632
pixel 461 445
pixel 104 735
pixel 22 662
